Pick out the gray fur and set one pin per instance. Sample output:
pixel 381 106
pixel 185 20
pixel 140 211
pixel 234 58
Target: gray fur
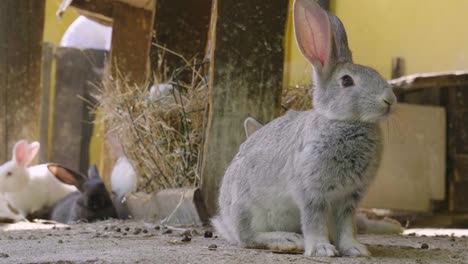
pixel 90 204
pixel 305 172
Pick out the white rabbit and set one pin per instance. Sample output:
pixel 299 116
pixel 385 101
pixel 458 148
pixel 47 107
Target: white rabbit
pixel 161 92
pixel 305 172
pixel 364 225
pixel 30 189
pixel 123 177
pixel 85 33
pixel 8 214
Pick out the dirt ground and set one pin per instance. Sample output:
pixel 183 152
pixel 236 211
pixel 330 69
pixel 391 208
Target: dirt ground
pixel 136 242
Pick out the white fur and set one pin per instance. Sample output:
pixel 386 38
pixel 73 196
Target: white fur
pixel 85 33
pixel 123 178
pixel 42 190
pixel 161 92
pixel 30 189
pixel 7 215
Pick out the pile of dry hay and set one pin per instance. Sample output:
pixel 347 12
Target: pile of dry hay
pixel 161 137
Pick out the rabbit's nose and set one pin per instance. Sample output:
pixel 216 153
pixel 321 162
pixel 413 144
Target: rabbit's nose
pixel 387 102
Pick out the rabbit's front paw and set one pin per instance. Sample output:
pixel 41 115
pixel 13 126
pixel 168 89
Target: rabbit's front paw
pixel 321 250
pixel 353 249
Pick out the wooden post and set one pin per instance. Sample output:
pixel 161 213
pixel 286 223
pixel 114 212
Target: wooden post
pixel 77 75
pixel 398 67
pixel 246 71
pixel 47 59
pixel 131 43
pixel 187 35
pixel 457 117
pixel 21 28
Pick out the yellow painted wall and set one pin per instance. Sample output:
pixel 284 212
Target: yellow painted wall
pixel 54 28
pixel 431 35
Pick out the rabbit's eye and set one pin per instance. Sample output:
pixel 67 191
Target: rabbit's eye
pixel 9 173
pixel 347 81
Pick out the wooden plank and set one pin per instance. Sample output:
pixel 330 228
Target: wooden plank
pixel 429 96
pixel 246 71
pixel 77 74
pixel 413 162
pixel 47 58
pixel 458 115
pixel 459 201
pixel 461 168
pixel 131 42
pixel 4 48
pixel 191 25
pixel 398 67
pixel 429 80
pixel 21 28
pixel 100 10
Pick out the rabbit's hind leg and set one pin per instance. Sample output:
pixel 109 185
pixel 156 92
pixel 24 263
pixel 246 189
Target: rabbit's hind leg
pixel 254 232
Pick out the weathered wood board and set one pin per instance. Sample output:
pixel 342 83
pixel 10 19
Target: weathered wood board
pixel 187 35
pixel 78 74
pixel 47 60
pixel 246 72
pixel 21 28
pixel 412 172
pixel 131 42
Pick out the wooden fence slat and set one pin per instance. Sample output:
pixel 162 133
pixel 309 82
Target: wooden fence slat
pixel 246 71
pixel 47 59
pixel 77 75
pixel 21 28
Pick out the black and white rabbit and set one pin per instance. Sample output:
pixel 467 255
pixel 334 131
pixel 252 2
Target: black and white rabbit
pixel 296 182
pixel 91 203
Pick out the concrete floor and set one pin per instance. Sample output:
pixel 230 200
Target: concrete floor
pixel 111 242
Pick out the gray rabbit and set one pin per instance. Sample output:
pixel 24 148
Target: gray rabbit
pixel 305 172
pixel 91 203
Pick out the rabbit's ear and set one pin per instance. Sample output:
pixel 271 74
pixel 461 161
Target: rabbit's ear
pixel 251 125
pixel 20 153
pixel 67 175
pixel 315 30
pixel 93 172
pixel 343 53
pixel 33 149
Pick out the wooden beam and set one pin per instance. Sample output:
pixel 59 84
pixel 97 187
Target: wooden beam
pixel 131 42
pixel 100 10
pixel 191 27
pixel 398 67
pixel 21 28
pixel 429 80
pixel 47 59
pixel 78 72
pixel 246 71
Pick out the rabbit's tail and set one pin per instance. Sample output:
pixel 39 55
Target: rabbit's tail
pixel 382 226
